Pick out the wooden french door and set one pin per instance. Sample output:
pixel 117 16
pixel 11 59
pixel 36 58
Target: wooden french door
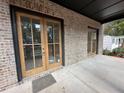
pixel 54 43
pixel 39 43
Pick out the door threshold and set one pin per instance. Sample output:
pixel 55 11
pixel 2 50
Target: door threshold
pixel 42 74
pixel 91 55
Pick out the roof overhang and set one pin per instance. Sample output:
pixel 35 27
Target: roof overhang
pixel 99 10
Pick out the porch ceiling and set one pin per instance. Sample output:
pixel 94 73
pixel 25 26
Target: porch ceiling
pixel 99 10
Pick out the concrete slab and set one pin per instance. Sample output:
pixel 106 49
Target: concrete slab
pixel 23 88
pixel 98 74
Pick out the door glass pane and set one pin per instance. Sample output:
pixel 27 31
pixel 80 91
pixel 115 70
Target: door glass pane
pixel 28 54
pixel 51 53
pixel 94 42
pixel 38 55
pixel 36 31
pixel 56 31
pixel 57 53
pixel 26 30
pixel 50 33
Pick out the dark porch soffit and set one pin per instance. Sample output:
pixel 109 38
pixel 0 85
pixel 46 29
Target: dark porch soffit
pixel 99 10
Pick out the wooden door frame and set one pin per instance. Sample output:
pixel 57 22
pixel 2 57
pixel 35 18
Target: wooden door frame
pixel 50 66
pixel 21 49
pixel 44 36
pixel 13 10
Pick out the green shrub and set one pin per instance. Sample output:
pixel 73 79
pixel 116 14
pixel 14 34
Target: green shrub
pixel 120 55
pixel 118 50
pixel 106 52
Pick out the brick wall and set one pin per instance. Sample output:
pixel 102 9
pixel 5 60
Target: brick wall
pixel 75 26
pixel 7 58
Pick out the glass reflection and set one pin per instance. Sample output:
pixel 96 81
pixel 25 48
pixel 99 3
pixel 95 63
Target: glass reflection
pixel 56 33
pixel 26 30
pixel 57 53
pixel 28 57
pixel 36 31
pixel 94 42
pixel 50 34
pixel 51 53
pixel 38 55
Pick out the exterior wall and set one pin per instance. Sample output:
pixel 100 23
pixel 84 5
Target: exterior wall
pixel 118 41
pixel 75 27
pixel 8 74
pixel 112 42
pixel 107 42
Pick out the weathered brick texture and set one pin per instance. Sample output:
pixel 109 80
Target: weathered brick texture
pixel 7 58
pixel 75 27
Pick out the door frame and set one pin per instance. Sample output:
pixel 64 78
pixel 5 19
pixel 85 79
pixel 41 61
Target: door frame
pixel 13 10
pixel 44 38
pixel 97 38
pixel 49 66
pixel 21 49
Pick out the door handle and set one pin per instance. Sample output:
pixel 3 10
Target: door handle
pixel 43 53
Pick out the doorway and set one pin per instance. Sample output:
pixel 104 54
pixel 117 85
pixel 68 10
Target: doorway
pixel 92 41
pixel 39 43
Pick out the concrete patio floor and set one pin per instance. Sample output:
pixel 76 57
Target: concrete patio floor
pixel 99 74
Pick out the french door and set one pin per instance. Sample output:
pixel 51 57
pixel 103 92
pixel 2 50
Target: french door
pixel 54 43
pixel 92 42
pixel 39 43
